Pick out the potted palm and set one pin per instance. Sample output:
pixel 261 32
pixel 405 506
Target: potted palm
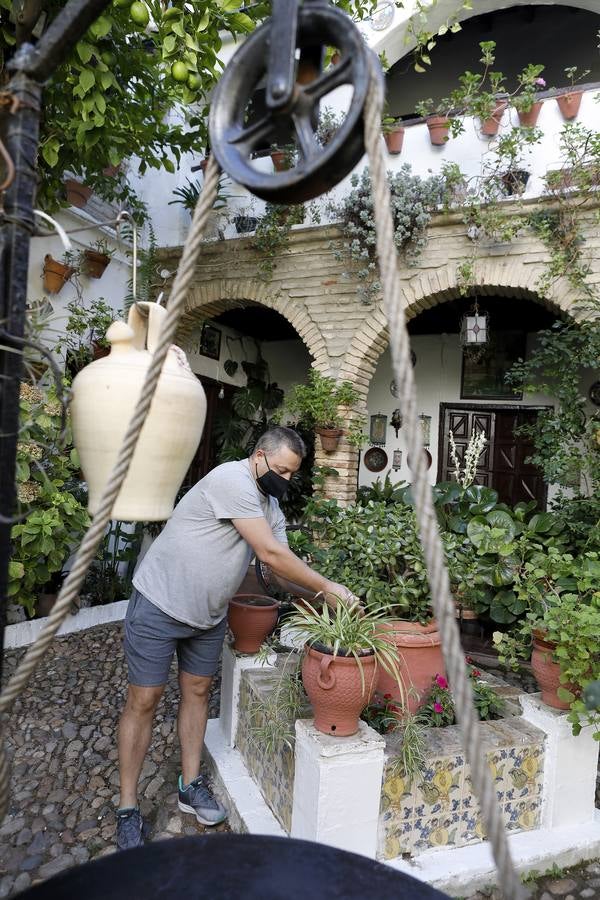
pixel 317 405
pixel 344 652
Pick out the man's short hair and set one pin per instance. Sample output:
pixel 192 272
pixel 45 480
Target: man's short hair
pixel 279 436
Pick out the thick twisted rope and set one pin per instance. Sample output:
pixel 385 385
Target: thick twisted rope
pixel 95 533
pixel 421 490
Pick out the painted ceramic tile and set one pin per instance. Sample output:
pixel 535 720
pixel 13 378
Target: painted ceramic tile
pixel 441 786
pixel 436 831
pixel 522 815
pixel 394 839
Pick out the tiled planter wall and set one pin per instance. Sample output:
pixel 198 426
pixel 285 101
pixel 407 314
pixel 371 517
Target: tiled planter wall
pixel 437 810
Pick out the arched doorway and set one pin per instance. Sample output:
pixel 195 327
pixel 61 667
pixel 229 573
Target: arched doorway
pixel 247 356
pixel 462 394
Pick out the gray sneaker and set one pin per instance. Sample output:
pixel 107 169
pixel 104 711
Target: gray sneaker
pixel 197 799
pixel 130 829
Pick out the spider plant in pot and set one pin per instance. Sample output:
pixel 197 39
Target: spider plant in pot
pixel 343 654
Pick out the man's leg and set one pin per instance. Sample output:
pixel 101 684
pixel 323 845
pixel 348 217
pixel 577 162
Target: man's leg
pixel 135 733
pixel 191 721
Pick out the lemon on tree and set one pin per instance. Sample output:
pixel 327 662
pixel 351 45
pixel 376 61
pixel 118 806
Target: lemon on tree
pixel 139 13
pixel 179 71
pixel 194 81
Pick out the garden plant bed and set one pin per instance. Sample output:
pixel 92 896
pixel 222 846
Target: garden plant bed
pixel 439 808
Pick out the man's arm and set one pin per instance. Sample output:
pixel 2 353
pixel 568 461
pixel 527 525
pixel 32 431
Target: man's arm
pixel 286 564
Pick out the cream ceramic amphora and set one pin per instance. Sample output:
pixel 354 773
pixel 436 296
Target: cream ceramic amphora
pixel 105 394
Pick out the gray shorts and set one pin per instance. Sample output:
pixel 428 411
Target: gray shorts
pixel 151 638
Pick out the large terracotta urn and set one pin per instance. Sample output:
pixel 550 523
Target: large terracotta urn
pixel 336 689
pixel 546 671
pixel 420 659
pixel 105 394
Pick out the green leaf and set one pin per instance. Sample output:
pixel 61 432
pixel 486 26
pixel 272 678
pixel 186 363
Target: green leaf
pixel 87 80
pixel 169 165
pixel 84 51
pixel 107 79
pixel 169 44
pixel 241 22
pixel 228 5
pixel 101 27
pixel 203 23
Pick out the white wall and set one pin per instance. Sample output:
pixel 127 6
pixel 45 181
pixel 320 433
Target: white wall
pixel 112 287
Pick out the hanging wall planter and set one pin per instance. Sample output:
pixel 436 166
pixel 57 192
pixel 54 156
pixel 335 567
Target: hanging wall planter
pixel 438 129
pixel 56 274
pixel 569 104
pixel 514 181
pixel 78 194
pixel 491 125
pixel 394 139
pixel 528 118
pixel 94 263
pixel 279 160
pixel 330 438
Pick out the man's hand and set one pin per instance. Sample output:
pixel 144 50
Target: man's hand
pixel 339 593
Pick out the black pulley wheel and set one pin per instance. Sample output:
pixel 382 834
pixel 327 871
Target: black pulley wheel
pixel 234 137
pixel 232 867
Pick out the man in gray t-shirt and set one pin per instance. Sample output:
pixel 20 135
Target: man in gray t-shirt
pixel 182 591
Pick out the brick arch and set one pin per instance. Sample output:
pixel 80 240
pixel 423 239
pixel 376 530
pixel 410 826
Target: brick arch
pixel 430 289
pixel 220 294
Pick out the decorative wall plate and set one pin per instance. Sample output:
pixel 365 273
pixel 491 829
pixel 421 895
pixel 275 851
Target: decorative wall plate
pixel 594 393
pixel 428 460
pixel 375 459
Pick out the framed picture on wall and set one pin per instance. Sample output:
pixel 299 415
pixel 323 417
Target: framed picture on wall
pixel 210 341
pixel 483 375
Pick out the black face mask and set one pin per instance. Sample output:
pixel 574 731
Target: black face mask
pixel 271 483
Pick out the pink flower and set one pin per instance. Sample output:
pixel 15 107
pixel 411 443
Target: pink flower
pixel 438 708
pixel 441 681
pixel 387 696
pixel 475 673
pixel 540 82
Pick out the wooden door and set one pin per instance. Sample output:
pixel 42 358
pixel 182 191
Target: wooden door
pixel 206 454
pixel 501 465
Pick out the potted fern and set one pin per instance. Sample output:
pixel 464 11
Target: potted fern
pixel 344 652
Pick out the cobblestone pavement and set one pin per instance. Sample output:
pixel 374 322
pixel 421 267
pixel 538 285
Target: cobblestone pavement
pixel 62 740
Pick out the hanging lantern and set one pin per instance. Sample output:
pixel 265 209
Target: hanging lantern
pixel 474 329
pixel 426 428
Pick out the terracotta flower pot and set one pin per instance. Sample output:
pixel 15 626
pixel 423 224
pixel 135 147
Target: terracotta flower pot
pixel 491 125
pixel 278 158
pixel 547 672
pixel 420 654
pixel 56 274
pixel 78 194
pixel 330 438
pixel 336 690
pixel 94 263
pixel 438 129
pixel 251 618
pixel 569 104
pixel 530 117
pixel 394 140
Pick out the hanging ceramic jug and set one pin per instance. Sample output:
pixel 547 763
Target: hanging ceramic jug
pixel 105 394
